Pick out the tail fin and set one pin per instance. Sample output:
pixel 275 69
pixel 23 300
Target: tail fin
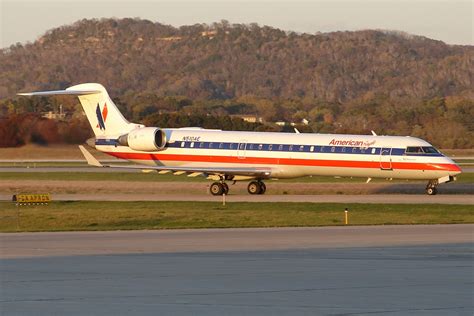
pixel 103 115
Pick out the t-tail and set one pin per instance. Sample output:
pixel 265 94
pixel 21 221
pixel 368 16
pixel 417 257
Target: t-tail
pixel 103 115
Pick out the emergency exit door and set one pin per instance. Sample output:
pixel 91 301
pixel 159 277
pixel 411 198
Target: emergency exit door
pixel 241 149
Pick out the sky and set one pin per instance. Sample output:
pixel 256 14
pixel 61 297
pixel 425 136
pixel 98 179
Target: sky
pixel 451 21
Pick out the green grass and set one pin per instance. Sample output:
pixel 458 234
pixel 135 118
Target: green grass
pixel 83 216
pixel 116 176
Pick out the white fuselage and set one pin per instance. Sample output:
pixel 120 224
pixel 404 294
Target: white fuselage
pixel 293 155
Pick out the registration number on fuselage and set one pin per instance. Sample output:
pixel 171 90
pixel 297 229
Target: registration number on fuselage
pixel 191 138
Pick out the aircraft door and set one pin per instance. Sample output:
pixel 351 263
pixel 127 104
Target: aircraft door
pixel 241 149
pixel 386 159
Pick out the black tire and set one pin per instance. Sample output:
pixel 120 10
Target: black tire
pixel 432 191
pixel 254 187
pixel 263 188
pixel 226 188
pixel 216 188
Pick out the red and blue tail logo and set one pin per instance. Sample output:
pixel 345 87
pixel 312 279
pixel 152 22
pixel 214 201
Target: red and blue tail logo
pixel 101 116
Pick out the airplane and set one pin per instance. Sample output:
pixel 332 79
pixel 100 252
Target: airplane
pixel 253 156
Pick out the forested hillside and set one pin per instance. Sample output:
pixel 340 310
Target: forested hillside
pixel 341 82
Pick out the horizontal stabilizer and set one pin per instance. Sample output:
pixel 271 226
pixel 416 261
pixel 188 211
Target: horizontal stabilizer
pixel 59 92
pixel 103 115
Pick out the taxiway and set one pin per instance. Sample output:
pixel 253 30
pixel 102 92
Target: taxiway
pixel 394 270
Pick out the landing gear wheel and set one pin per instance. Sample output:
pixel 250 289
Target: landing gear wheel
pixel 263 188
pixel 431 191
pixel 217 188
pixel 254 187
pixel 431 187
pixel 226 188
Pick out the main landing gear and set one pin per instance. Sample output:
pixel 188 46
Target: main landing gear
pixel 254 187
pixel 431 187
pixel 219 188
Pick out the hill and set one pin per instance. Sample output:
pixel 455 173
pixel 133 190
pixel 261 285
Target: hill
pixel 341 82
pixel 223 61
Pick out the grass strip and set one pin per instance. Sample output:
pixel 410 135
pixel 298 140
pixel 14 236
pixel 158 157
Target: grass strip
pixel 93 216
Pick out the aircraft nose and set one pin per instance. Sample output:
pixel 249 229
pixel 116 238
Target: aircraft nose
pixel 452 167
pixel 457 170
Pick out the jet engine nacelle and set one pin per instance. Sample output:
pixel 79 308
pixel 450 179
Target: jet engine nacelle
pixel 144 139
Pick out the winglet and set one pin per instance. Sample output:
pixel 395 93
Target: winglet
pixel 90 159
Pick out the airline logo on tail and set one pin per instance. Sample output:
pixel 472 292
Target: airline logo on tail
pixel 101 116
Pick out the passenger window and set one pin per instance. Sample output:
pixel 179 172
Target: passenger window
pixel 311 148
pixel 221 145
pixel 290 148
pixel 322 149
pixel 192 144
pixel 201 145
pixel 242 145
pixel 231 146
pixel 333 149
pixel 373 150
pixel 354 149
pixel 211 145
pixel 182 144
pixel 260 147
pixel 343 149
pixel 270 147
pixel 280 147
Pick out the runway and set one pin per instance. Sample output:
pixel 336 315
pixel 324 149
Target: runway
pixel 394 270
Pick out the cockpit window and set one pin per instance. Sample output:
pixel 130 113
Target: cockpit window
pixel 421 150
pixel 414 150
pixel 430 150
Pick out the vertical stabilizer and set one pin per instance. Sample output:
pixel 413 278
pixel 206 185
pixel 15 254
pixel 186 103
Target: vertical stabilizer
pixel 102 113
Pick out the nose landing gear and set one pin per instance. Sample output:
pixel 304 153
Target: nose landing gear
pixel 431 187
pixel 256 187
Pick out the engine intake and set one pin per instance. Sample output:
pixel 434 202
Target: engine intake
pixel 144 139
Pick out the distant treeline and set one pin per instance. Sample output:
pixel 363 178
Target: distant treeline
pixel 17 130
pixel 445 122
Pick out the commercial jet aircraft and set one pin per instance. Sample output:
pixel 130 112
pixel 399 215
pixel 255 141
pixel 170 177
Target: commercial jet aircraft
pixel 254 156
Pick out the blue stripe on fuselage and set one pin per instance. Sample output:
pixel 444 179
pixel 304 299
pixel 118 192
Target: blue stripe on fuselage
pixel 280 148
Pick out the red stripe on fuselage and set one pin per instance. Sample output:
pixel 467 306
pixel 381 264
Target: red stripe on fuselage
pixel 286 161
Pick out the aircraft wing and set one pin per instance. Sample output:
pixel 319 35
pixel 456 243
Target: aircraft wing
pixel 262 172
